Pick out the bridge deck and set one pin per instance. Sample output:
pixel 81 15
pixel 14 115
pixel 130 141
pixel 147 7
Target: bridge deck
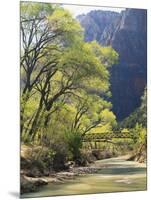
pixel 106 135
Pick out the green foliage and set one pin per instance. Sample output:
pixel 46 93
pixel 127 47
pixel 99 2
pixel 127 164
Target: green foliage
pixel 107 55
pixel 108 117
pixel 74 141
pixel 62 21
pixel 63 82
pixel 140 142
pixel 33 10
pixel 139 134
pixel 107 122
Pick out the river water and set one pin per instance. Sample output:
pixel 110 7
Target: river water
pixel 115 175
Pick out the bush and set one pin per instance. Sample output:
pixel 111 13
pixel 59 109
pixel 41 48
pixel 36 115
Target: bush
pixel 140 141
pixel 36 161
pixel 74 142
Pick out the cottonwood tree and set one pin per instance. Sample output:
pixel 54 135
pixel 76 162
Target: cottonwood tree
pixel 56 65
pixel 45 31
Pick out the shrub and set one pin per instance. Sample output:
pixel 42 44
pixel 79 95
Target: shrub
pixel 74 142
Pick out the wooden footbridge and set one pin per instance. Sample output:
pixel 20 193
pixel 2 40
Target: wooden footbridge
pixel 98 137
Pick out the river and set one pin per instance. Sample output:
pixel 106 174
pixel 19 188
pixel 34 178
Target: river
pixel 115 175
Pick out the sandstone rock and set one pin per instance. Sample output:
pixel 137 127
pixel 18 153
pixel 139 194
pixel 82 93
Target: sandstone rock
pixel 29 184
pixel 126 32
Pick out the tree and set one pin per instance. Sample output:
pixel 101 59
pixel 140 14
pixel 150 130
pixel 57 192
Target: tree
pixel 45 31
pixel 57 66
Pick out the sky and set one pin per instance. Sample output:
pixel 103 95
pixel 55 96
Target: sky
pixel 77 10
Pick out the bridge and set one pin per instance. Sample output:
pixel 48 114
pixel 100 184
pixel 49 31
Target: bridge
pixel 98 137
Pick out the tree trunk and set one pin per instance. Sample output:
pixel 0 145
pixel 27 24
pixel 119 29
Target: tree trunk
pixel 34 127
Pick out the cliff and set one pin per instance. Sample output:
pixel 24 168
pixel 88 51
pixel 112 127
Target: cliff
pixel 126 32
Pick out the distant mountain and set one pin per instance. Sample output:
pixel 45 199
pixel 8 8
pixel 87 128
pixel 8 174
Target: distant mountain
pixel 95 22
pixel 126 32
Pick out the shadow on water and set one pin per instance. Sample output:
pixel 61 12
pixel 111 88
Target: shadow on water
pixel 115 175
pixel 124 171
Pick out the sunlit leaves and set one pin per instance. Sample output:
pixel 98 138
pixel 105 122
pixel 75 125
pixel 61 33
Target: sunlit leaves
pixel 34 10
pixel 64 79
pixel 62 20
pixel 108 121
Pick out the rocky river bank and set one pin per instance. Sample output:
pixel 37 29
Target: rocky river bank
pixel 32 184
pixel 108 175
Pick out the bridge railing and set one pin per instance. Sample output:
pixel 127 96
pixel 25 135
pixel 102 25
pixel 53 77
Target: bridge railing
pixel 107 135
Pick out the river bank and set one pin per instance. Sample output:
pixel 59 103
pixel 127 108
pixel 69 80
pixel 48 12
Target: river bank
pixel 37 169
pixel 122 174
pixel 31 184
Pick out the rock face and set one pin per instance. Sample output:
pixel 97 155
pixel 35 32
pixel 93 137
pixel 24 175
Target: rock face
pixel 95 22
pixel 126 32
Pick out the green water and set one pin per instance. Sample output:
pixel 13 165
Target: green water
pixel 115 175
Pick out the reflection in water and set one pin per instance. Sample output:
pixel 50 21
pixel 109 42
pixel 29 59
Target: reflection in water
pixel 115 175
